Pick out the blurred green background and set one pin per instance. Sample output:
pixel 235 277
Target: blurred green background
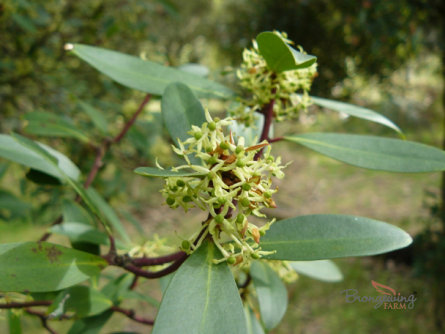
pixel 384 54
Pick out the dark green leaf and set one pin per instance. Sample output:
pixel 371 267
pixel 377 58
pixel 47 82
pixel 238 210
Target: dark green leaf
pixel 41 178
pixel 156 172
pixel 271 292
pixel 317 237
pixel 203 298
pixel 180 110
pixel 51 125
pixel 279 55
pixel 355 111
pixel 16 150
pixel 393 155
pixel 145 75
pixel 42 266
pixel 96 116
pixel 323 270
pixel 91 325
pixel 82 300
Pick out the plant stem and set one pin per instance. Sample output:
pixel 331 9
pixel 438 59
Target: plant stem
pixel 43 319
pixel 154 261
pixel 131 315
pixel 26 304
pixel 267 111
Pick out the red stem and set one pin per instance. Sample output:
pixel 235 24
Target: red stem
pixel 130 314
pixel 267 111
pixel 154 261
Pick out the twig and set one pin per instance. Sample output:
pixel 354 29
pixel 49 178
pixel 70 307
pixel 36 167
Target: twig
pixel 130 314
pixel 100 153
pixel 43 320
pixel 154 261
pixel 274 140
pixel 26 304
pixel 267 111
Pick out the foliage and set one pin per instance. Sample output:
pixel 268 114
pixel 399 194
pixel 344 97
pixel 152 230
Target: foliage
pixel 228 275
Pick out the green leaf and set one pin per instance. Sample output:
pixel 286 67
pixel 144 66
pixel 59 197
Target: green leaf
pixel 252 323
pixel 271 292
pixel 82 300
pixel 323 270
pixel 196 69
pixel 145 75
pixel 41 178
pixel 80 232
pixel 356 111
pixel 14 324
pixel 180 110
pixel 156 172
pixel 203 298
pixel 96 116
pixel 279 55
pixel 51 125
pixel 16 150
pixel 13 204
pixel 393 155
pixel 42 266
pixel 116 288
pixel 317 237
pixel 91 325
pixel 108 212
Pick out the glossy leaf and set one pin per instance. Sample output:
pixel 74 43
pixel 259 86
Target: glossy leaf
pixel 180 110
pixel 96 116
pixel 252 323
pixel 82 300
pixel 317 237
pixel 156 172
pixel 51 125
pixel 356 111
pixel 42 266
pixel 393 155
pixel 271 292
pixel 279 55
pixel 201 298
pixel 145 75
pixel 322 270
pixel 15 150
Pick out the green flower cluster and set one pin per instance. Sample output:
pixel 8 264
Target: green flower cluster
pixel 265 86
pixel 231 184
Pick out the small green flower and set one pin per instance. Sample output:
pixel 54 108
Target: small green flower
pixel 288 89
pixel 234 185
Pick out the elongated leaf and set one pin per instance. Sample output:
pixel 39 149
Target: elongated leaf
pixel 145 75
pixel 393 155
pixel 51 125
pixel 156 172
pixel 82 300
pixel 271 292
pixel 180 110
pixel 355 111
pixel 323 270
pixel 108 212
pixel 130 294
pixel 196 69
pixel 42 266
pixel 317 237
pixel 14 150
pixel 252 323
pixel 279 55
pixel 96 116
pixel 203 298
